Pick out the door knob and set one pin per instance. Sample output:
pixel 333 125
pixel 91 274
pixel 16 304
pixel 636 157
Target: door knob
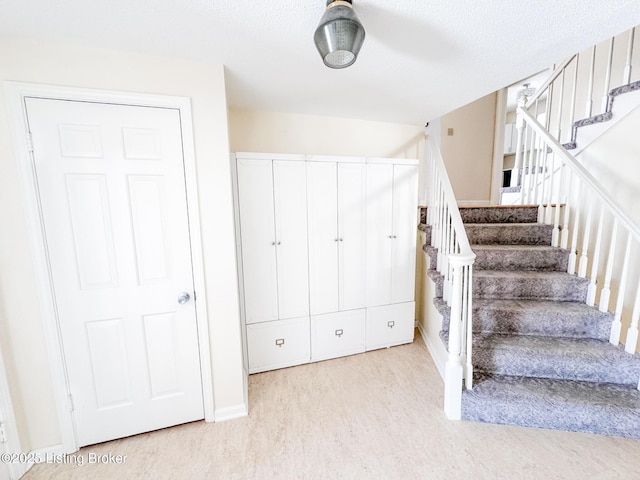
pixel 183 298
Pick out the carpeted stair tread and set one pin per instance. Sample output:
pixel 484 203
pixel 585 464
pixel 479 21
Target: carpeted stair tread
pixel 500 214
pixel 504 284
pixel 520 257
pixel 535 317
pixel 555 357
pixel 602 408
pixel 509 233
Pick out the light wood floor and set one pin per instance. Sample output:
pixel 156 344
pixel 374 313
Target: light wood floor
pixel 372 416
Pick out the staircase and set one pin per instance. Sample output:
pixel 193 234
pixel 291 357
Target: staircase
pixel 541 356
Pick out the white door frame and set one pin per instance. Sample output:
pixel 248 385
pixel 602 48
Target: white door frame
pixel 15 95
pixel 8 426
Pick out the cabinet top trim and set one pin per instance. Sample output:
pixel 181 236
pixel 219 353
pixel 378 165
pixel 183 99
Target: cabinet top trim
pixel 323 158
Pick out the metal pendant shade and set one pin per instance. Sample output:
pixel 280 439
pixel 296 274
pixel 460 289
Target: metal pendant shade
pixel 339 35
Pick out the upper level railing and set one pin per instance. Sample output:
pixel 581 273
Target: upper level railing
pixel 604 242
pixel 455 263
pixel 580 91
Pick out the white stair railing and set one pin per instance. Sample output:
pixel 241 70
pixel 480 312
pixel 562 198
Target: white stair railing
pixel 603 241
pixel 579 92
pixel 455 263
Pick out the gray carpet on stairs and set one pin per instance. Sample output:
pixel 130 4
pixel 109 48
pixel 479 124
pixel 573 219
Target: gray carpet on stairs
pixel 541 356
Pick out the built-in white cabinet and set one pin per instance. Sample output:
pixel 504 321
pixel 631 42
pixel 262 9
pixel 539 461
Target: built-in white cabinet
pixel 272 203
pixel 337 234
pixel 391 232
pixel 326 255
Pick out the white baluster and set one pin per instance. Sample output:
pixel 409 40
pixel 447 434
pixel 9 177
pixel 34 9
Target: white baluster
pixel 607 77
pixel 564 242
pixel 453 372
pixel 605 293
pixel 627 67
pixel 591 292
pixel 632 334
pixel 573 255
pixel 560 105
pixel 555 237
pixel 574 90
pixel 584 255
pixel 589 107
pixel 515 172
pixel 469 311
pixel 616 325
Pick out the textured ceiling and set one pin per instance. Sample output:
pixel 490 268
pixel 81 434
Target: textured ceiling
pixel 420 59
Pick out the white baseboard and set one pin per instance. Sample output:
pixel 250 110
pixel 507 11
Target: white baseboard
pixel 230 413
pixel 437 352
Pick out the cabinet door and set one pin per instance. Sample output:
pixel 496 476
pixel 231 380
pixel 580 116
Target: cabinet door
pixel 389 325
pixel 403 257
pixel 257 233
pixel 278 344
pixel 323 237
pixel 352 201
pixel 337 334
pixel 290 194
pixel 379 233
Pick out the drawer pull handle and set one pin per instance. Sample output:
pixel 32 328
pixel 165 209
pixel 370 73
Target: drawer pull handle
pixel 391 324
pixel 339 332
pixel 279 342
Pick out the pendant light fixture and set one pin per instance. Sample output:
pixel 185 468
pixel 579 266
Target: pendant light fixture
pixel 339 35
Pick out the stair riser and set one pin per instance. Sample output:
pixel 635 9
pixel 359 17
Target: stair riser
pixel 499 215
pixel 492 234
pixel 511 322
pixel 524 363
pixel 566 289
pixel 601 419
pixel 548 260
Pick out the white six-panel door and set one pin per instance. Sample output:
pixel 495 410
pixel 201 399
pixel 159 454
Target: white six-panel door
pixel 112 193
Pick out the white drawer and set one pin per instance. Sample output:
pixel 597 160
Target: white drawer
pixel 389 325
pixel 278 344
pixel 337 334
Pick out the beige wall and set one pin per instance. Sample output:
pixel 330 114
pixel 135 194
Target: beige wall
pixel 468 153
pixel 21 332
pixel 260 131
pixel 613 160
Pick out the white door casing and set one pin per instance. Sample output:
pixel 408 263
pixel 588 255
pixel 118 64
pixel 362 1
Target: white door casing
pixel 17 93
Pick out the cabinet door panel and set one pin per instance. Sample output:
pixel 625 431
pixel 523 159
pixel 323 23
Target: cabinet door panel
pixel 290 194
pixel 257 230
pixel 352 190
pixel 379 224
pixel 403 258
pixel 323 245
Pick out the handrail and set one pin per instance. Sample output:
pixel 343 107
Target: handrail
pixel 455 263
pixel 560 182
pixel 556 73
pixel 589 179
